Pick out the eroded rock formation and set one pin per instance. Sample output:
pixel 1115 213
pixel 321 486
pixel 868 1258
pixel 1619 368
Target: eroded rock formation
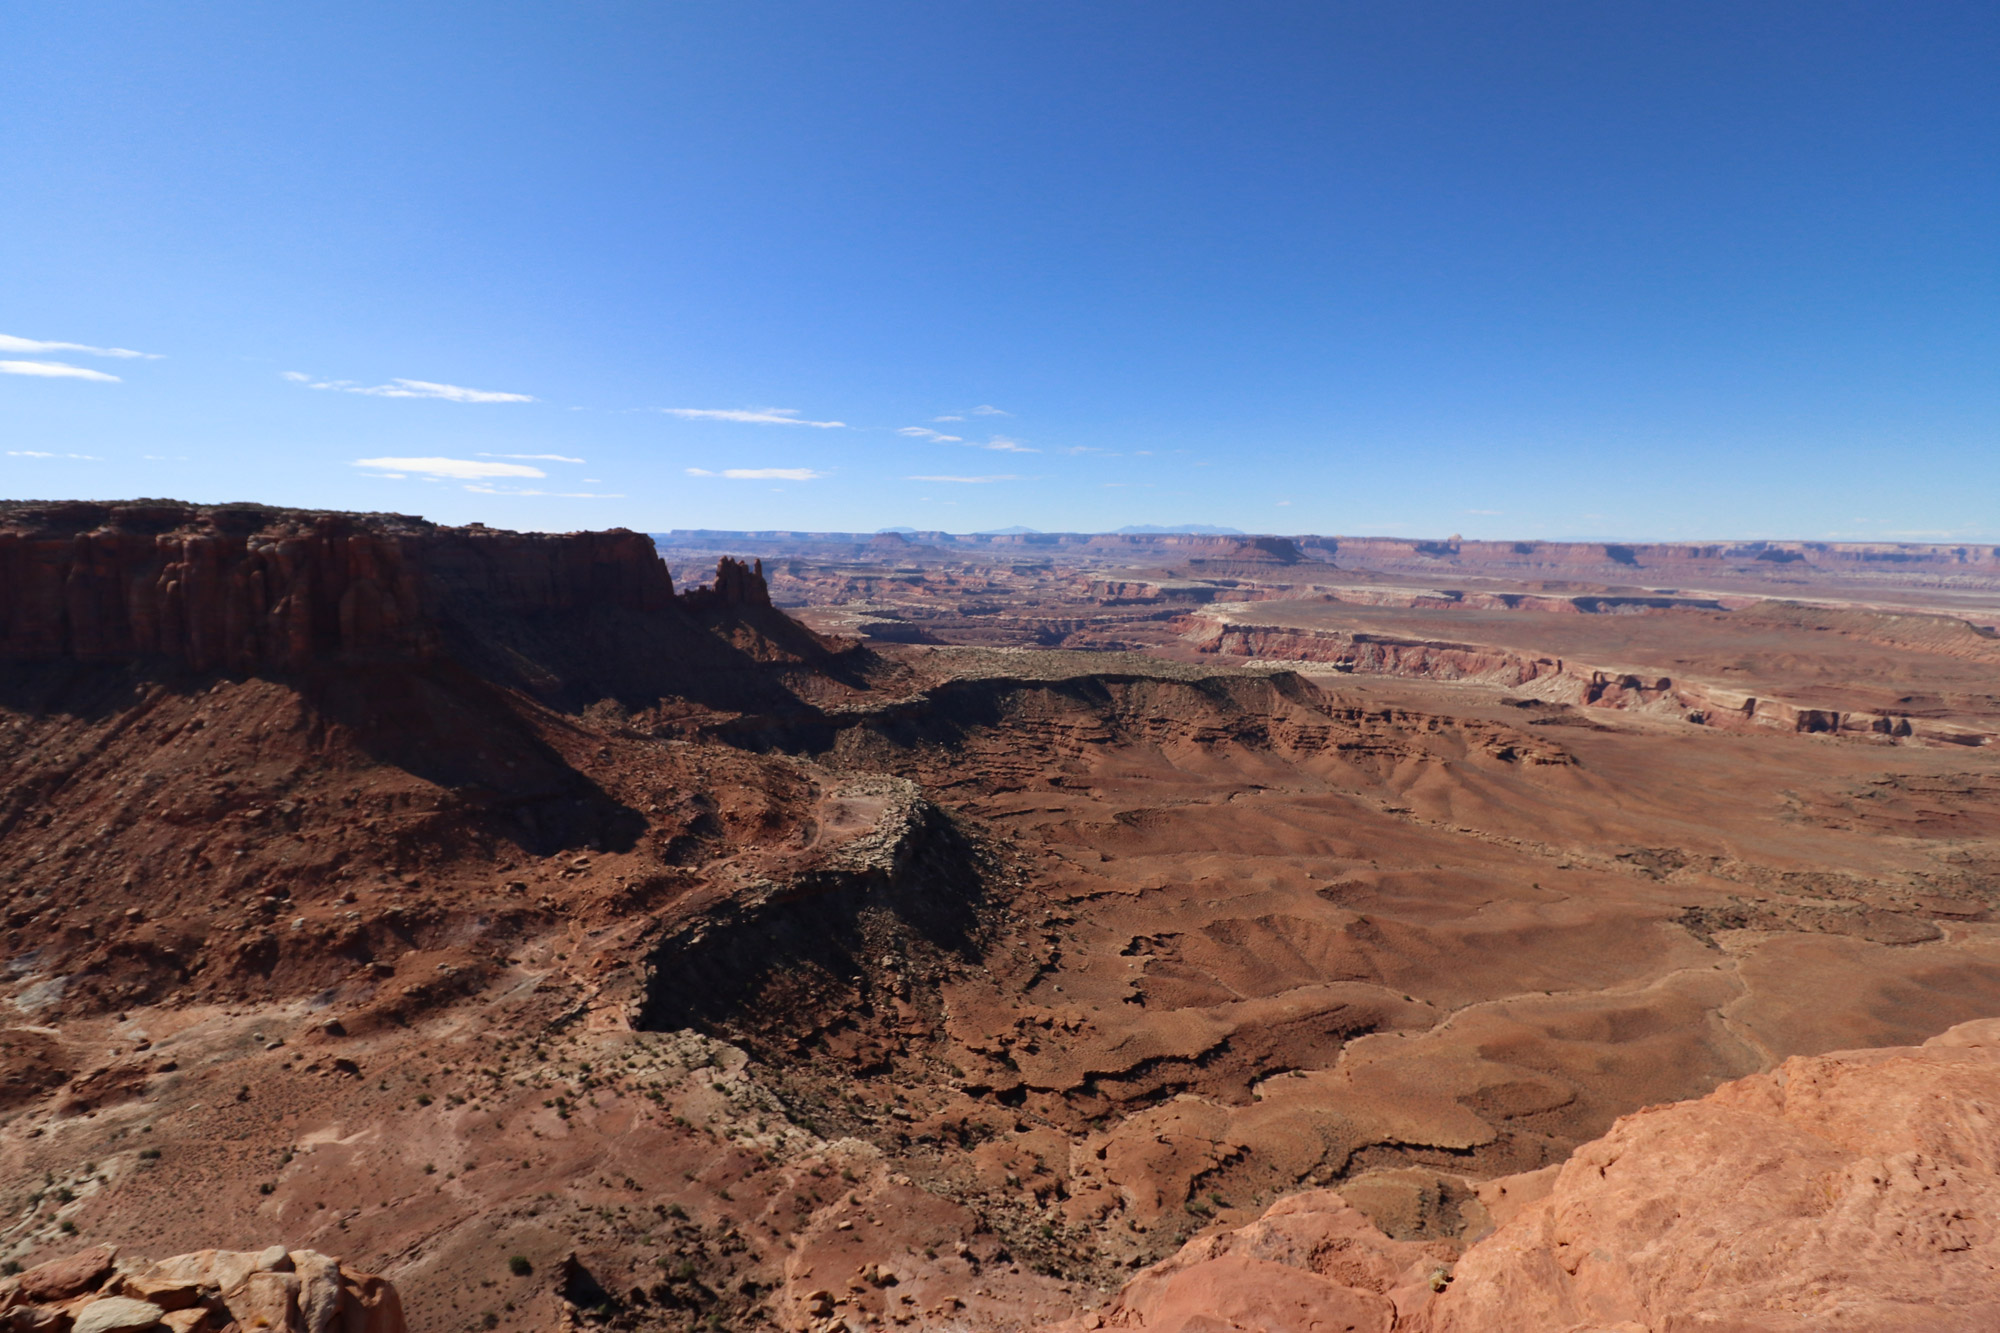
pixel 276 1290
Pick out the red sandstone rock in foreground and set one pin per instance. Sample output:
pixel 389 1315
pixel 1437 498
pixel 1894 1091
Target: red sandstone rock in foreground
pixel 1313 1262
pixel 1857 1190
pixel 297 1291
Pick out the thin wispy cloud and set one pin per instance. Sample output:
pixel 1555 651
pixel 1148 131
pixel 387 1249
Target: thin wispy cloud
pixel 480 489
pixel 401 388
pixel 39 453
pixel 457 469
pixel 948 418
pixel 9 343
pixel 761 416
pixel 998 443
pixel 55 370
pixel 537 458
pixel 760 473
pixel 983 410
pixel 968 481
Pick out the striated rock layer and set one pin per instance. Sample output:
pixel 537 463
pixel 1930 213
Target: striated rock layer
pixel 251 588
pixel 1853 1190
pixel 1563 680
pixel 246 587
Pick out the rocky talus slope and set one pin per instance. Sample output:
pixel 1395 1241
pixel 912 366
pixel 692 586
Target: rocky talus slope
pixel 209 1291
pixel 1853 1190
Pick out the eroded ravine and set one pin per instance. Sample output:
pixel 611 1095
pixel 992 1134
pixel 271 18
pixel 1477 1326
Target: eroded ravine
pixel 1246 936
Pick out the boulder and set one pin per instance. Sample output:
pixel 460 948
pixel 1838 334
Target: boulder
pixel 266 1300
pixel 169 1293
pixel 320 1290
pixel 60 1279
pixel 276 1290
pixel 116 1314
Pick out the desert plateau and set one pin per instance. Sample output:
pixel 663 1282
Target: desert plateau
pixel 974 667
pixel 1040 932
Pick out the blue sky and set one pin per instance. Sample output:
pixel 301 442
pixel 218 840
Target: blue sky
pixel 1668 270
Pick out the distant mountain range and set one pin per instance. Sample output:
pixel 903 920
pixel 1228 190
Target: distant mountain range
pixel 1210 529
pixel 1135 529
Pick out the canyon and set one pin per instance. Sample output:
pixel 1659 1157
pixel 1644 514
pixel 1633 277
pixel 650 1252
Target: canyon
pixel 1004 933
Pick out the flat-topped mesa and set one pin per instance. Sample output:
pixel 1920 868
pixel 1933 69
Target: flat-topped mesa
pixel 249 587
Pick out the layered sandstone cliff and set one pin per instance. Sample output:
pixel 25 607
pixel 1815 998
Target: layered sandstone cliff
pixel 1558 679
pixel 250 589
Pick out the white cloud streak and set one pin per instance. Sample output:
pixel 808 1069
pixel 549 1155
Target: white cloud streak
pixel 451 393
pixel 999 443
pixel 55 370
pixel 537 458
pixel 762 416
pixel 401 388
pixel 40 453
pixel 987 410
pixel 458 469
pixel 968 481
pixel 9 343
pixel 760 473
pixel 478 489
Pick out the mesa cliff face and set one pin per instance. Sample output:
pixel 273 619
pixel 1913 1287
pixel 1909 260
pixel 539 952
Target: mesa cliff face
pixel 247 588
pixel 1558 680
pixel 294 685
